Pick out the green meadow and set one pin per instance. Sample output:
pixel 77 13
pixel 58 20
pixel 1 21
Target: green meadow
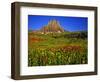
pixel 64 48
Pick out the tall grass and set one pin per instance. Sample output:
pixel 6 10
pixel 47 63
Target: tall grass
pixel 56 50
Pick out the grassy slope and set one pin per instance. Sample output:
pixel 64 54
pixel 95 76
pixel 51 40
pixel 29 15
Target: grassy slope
pixel 55 49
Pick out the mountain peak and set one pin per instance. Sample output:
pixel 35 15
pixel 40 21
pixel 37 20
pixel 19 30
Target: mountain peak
pixel 53 26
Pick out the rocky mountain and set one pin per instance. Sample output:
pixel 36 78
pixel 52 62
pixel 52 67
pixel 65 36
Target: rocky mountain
pixel 53 26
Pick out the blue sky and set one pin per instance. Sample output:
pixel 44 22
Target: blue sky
pixel 35 22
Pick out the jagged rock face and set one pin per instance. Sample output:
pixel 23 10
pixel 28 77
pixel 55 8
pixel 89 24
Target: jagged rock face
pixel 52 27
